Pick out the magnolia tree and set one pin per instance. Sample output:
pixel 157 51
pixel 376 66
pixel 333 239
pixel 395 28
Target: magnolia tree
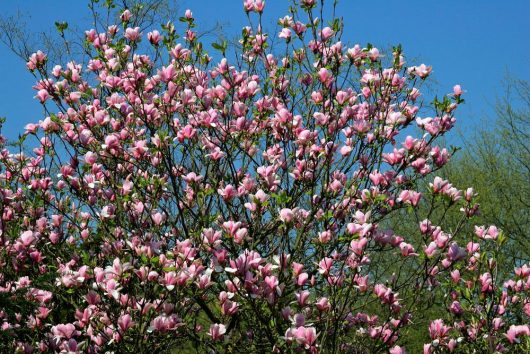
pixel 175 203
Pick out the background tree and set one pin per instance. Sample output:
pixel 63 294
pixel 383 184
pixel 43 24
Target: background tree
pixel 66 42
pixel 496 161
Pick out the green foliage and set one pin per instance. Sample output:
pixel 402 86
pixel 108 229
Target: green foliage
pixel 495 161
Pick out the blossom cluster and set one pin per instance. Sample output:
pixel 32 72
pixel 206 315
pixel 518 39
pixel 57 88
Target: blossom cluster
pixel 174 201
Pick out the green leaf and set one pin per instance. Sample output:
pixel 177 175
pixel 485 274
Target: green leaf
pixel 61 26
pixel 217 46
pixel 281 198
pixel 336 25
pixel 221 46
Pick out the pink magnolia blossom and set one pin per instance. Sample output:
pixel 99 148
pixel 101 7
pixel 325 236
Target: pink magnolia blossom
pixel 217 331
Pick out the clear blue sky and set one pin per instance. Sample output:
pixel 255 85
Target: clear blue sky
pixel 473 43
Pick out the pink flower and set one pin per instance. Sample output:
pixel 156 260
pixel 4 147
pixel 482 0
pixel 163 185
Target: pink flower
pixel 326 33
pixel 126 15
pixel 397 350
pixel 455 276
pixel 217 331
pixel 366 92
pixel 438 330
pixel 421 71
pixel 170 279
pixel 490 233
pixel 286 215
pixel 125 322
pixel 23 282
pixel 324 266
pixel 248 5
pixel 358 246
pixel 111 142
pixel 430 250
pixel 373 54
pixel 31 128
pixel 486 283
pixel 325 76
pixel 324 236
pixel 407 250
pixel 302 278
pixel 154 37
pixel 410 197
pixel 285 33
pixel 457 91
pixel 323 304
pixel 272 282
pixel 107 212
pixel 469 194
pixel 65 331
pixel 261 196
pixel 517 331
pixel 27 238
pixel 158 218
pixel 42 95
pixel 132 34
pixel 456 308
pixel 299 28
pixel 259 6
pixel 216 154
pixel 305 336
pixel 302 297
pixel 228 192
pixel 438 185
pixel 455 253
pixel 36 60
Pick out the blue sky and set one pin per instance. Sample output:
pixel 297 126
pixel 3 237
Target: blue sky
pixel 474 43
